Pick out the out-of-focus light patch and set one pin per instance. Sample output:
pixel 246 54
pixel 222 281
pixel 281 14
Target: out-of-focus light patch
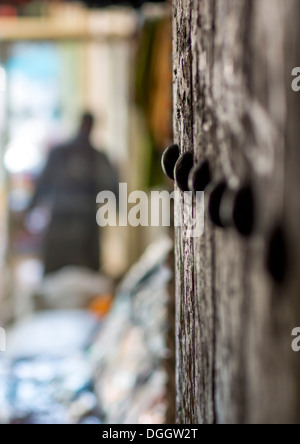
pixel 20 157
pixel 37 220
pixel 2 79
pixel 18 200
pixel 37 61
pixel 30 272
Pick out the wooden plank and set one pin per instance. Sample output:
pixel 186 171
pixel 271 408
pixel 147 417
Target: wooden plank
pixel 204 247
pixel 232 85
pixel 184 245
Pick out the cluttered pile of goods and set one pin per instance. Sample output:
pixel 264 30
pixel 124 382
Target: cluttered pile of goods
pixel 76 367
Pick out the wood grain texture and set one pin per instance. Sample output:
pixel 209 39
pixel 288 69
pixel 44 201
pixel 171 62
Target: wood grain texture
pixel 233 105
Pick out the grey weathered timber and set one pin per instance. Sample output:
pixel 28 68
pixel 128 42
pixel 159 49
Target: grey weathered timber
pixel 233 104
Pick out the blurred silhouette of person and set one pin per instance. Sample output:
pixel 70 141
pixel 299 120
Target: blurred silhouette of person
pixel 74 174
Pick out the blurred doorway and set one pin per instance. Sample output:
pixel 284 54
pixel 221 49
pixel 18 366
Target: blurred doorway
pixel 49 79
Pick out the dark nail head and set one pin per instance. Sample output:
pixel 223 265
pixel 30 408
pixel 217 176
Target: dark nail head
pixel 200 177
pixel 277 256
pixel 215 195
pixel 169 159
pixel 244 211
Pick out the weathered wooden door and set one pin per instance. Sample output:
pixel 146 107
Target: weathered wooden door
pixel 234 106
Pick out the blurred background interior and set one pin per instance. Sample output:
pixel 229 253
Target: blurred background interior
pixel 85 347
